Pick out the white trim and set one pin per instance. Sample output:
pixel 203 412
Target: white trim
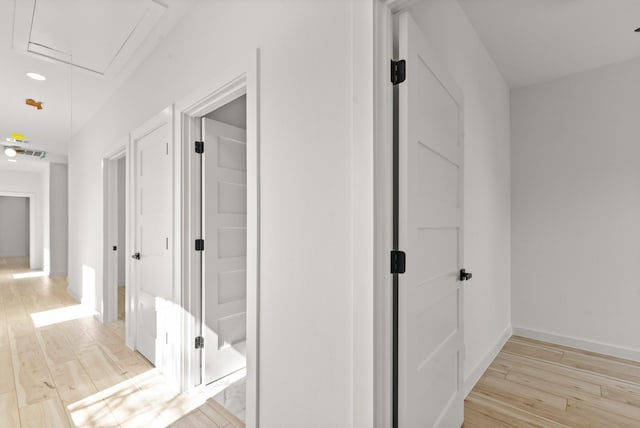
pixel 579 343
pixel 383 213
pixel 110 224
pixel 17 194
pixel 476 373
pixel 187 130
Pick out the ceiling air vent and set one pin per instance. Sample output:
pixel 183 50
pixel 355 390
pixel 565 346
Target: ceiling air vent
pixel 35 153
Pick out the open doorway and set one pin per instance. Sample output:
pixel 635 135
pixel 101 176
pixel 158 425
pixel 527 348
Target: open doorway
pixel 115 238
pixel 121 197
pixel 221 208
pixel 14 228
pixel 224 261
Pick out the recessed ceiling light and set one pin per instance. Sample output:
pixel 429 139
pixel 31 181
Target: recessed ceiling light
pixel 10 152
pixel 12 160
pixel 36 76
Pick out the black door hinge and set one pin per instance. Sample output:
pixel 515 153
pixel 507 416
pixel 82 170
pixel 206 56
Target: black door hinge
pixel 464 275
pixel 199 147
pixel 398 261
pixel 398 71
pixel 199 244
pixel 199 342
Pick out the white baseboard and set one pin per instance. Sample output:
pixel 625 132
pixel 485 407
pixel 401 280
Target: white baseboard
pixel 74 295
pixel 474 376
pixel 575 342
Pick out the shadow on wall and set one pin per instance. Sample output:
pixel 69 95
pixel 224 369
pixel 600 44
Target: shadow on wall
pixel 88 286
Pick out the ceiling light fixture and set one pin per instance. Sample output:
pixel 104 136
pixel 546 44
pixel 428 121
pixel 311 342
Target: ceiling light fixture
pixel 36 76
pixel 10 152
pixel 12 160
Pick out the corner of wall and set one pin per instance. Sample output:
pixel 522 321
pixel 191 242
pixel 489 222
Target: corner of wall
pixel 73 294
pixel 477 372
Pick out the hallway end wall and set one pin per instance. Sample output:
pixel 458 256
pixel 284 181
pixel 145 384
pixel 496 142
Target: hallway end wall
pixel 14 226
pixel 33 183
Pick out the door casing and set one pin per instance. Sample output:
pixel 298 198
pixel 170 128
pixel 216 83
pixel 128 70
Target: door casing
pixel 242 79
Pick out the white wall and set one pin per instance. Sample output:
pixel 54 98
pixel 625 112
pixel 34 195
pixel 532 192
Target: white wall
pixel 576 207
pixel 58 218
pixel 487 218
pixel 233 113
pixel 32 183
pixel 122 201
pixel 14 226
pixel 306 312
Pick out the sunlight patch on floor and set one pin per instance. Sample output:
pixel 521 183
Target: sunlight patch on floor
pixel 145 400
pixel 56 316
pixel 34 274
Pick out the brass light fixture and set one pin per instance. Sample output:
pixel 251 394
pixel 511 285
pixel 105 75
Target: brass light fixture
pixel 33 103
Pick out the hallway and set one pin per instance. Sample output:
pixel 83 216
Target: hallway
pixel 60 367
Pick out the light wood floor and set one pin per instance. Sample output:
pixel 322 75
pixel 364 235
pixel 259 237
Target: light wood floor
pixel 208 415
pixel 537 384
pixel 59 367
pixel 62 368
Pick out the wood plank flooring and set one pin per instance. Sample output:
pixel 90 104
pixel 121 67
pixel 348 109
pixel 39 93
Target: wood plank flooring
pixel 208 415
pixel 60 367
pixel 538 384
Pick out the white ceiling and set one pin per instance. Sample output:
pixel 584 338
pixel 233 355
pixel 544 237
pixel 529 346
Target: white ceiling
pixel 99 33
pixel 533 41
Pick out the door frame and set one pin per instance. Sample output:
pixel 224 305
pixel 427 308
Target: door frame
pixel 232 83
pixel 110 227
pixel 383 42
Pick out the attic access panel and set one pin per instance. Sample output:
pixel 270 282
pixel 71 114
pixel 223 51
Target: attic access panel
pixel 95 35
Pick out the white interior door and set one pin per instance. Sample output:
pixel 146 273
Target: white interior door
pixel 152 245
pixel 430 220
pixel 225 254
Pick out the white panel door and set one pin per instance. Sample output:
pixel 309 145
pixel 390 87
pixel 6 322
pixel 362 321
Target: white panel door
pixel 430 220
pixel 224 189
pixel 152 219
